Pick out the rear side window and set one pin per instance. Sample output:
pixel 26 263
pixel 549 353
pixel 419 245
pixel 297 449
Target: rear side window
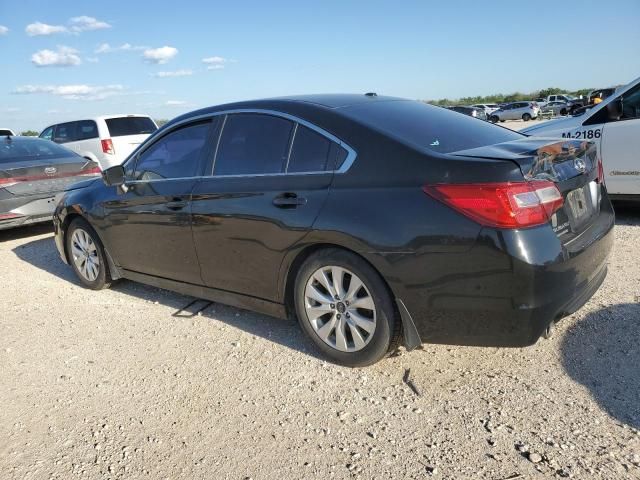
pixel 122 126
pixel 310 151
pixel 65 132
pixel 428 127
pixel 253 144
pixel 176 155
pixel 86 129
pixel 47 134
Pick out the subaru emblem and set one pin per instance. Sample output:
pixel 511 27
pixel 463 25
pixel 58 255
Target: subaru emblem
pixel 579 164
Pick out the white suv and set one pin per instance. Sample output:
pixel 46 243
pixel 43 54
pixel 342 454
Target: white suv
pixel 6 132
pixel 107 140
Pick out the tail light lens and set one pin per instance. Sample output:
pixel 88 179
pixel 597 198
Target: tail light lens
pixel 107 146
pixel 501 205
pixel 7 182
pixel 7 216
pixel 600 171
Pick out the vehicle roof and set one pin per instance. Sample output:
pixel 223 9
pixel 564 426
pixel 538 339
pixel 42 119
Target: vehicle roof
pixel 102 117
pixel 333 101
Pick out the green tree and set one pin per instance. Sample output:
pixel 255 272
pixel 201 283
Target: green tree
pixel 30 133
pixel 161 121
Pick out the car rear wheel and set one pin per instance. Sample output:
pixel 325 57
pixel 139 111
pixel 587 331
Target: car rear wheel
pixel 563 111
pixel 526 117
pixel 86 255
pixel 345 308
pixel 493 119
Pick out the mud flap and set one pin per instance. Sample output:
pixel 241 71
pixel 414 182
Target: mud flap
pixel 411 337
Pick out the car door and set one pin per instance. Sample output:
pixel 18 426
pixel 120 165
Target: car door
pixel 620 147
pixel 86 142
pixel 270 179
pixel 148 226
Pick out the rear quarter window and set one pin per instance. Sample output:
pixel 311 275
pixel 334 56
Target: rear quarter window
pixel 122 126
pixel 428 127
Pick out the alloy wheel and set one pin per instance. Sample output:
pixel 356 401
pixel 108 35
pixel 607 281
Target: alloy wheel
pixel 85 255
pixel 340 308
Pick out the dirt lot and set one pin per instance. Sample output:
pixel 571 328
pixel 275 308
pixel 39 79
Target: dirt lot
pixel 118 384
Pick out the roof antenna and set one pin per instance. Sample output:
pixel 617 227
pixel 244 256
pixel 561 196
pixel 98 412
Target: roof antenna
pixel 371 94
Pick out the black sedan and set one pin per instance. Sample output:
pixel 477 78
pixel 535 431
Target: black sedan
pixel 375 221
pixel 32 172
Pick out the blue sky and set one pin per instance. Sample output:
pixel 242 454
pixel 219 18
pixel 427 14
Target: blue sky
pixel 83 58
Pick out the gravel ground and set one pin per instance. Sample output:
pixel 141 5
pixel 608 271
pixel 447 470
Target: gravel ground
pixel 121 384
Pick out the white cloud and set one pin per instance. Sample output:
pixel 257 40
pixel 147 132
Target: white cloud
pixel 125 47
pixel 175 73
pixel 63 57
pixel 3 30
pixel 86 24
pixel 73 92
pixel 215 63
pixel 38 28
pixel 160 55
pixel 175 103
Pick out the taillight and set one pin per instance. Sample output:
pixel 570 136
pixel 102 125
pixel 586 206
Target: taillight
pixel 7 216
pixel 501 205
pixel 107 146
pixel 7 182
pixel 600 171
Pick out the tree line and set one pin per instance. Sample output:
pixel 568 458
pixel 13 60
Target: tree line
pixel 506 98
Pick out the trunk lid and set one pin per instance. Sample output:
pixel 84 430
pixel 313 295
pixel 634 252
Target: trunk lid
pixel 571 164
pixel 39 176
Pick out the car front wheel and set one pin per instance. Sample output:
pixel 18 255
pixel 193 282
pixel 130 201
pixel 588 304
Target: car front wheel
pixel 493 119
pixel 345 308
pixel 86 255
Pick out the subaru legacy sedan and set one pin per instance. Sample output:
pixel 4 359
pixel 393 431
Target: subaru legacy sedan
pixel 374 221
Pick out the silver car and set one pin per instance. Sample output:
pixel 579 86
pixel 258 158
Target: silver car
pixel 515 111
pixel 556 108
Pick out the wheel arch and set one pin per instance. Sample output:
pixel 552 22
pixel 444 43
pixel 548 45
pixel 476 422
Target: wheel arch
pixel 409 331
pixel 114 271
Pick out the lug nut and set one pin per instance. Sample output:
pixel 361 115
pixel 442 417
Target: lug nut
pixel 348 314
pixel 333 305
pixel 338 316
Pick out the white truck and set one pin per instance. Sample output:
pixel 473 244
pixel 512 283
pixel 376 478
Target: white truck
pixel 614 125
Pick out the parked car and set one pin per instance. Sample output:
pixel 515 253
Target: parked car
pixel 471 111
pixel 375 221
pixel 5 132
pixel 487 107
pixel 515 111
pixel 107 140
pixel 614 126
pixel 572 101
pixel 541 102
pixel 556 108
pixel 32 172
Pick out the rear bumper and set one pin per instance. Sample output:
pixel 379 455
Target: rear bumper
pixel 28 209
pixel 506 290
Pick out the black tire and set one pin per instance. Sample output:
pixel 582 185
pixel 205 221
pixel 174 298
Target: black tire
pixel 387 334
pixel 103 278
pixel 526 117
pixel 563 111
pixel 493 119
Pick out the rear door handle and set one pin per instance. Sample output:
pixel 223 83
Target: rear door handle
pixel 176 203
pixel 289 200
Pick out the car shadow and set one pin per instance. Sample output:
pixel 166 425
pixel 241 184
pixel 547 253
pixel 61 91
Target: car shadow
pixel 26 231
pixel 42 253
pixel 602 352
pixel 627 213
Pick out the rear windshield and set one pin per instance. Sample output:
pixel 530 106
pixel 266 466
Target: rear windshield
pixel 426 126
pixel 119 127
pixel 13 149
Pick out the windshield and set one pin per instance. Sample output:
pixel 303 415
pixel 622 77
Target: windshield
pixel 429 127
pixel 16 148
pixel 120 127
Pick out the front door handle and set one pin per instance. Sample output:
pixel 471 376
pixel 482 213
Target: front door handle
pixel 176 203
pixel 289 200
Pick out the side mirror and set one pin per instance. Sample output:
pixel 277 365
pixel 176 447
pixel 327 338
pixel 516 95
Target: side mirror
pixel 614 109
pixel 113 176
